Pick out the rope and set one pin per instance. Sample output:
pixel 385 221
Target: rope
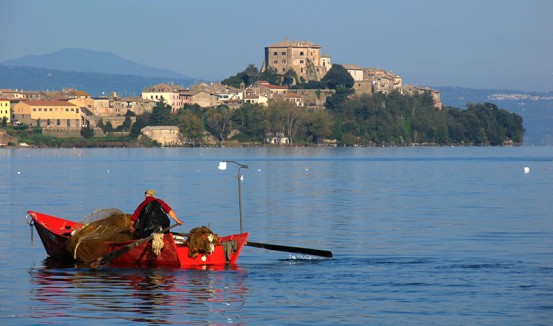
pixel 75 251
pixel 157 243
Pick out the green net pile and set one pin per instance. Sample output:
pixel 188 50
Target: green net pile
pixel 89 242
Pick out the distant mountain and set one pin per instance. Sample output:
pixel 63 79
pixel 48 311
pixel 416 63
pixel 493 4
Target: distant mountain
pixel 81 60
pixel 96 84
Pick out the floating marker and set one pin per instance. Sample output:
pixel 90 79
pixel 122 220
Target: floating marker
pixel 526 170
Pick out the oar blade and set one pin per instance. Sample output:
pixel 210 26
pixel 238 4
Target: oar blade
pixel 298 250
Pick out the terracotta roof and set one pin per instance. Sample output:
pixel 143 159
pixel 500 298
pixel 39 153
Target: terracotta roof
pixel 163 87
pixel 295 44
pixel 48 103
pixel 352 67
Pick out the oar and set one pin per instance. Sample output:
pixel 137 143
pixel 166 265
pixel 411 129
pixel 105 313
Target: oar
pixel 299 250
pixel 123 250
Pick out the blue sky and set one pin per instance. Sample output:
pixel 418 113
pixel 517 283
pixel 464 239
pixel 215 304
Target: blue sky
pixel 471 43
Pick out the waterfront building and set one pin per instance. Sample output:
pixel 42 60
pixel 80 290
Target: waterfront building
pixel 58 114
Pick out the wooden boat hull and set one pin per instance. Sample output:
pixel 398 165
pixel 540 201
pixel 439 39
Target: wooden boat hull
pixel 54 233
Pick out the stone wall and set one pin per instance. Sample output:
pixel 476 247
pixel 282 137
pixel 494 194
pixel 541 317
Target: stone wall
pixel 6 139
pixel 62 132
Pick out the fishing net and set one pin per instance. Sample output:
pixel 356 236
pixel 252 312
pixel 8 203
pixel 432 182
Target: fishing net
pixel 96 230
pixel 201 240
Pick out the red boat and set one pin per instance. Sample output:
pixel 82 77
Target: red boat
pixel 55 233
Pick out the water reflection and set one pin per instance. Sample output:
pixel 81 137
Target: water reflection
pixel 160 296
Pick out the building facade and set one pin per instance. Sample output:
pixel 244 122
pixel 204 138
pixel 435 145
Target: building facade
pixel 173 95
pixel 165 135
pixel 58 114
pixel 5 110
pixel 301 56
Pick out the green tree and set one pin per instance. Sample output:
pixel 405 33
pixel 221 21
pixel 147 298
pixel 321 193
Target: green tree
pixel 248 76
pixel 335 102
pixel 319 125
pixel 141 122
pixel 288 118
pixel 191 127
pixel 252 74
pixel 87 132
pixel 290 77
pixel 270 75
pixel 126 126
pixel 219 121
pixel 338 76
pixel 249 119
pixel 161 114
pixel 108 127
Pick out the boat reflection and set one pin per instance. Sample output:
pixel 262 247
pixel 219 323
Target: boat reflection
pixel 152 295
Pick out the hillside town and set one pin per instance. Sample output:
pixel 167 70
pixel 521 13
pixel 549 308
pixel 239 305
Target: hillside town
pixel 62 113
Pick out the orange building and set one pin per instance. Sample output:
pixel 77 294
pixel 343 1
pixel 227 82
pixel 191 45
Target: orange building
pixel 59 114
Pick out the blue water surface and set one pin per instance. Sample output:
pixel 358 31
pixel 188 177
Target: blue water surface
pixel 420 236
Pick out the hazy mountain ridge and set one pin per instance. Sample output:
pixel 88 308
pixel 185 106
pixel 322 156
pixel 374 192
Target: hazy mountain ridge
pixel 96 84
pixel 81 60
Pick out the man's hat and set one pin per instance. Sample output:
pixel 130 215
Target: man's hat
pixel 150 192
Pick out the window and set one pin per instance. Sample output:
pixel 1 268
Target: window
pixel 58 122
pixel 276 61
pixel 301 61
pixel 275 53
pixel 283 61
pixel 283 53
pixel 301 53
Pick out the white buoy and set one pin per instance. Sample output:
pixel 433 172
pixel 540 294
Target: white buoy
pixel 526 170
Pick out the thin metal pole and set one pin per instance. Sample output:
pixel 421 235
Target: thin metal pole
pixel 239 177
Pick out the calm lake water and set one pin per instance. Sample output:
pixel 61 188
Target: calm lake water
pixel 420 236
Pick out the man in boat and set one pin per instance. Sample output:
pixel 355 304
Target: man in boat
pixel 151 215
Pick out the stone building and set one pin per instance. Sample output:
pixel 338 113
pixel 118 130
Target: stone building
pixel 165 135
pixel 412 90
pixel 301 56
pixel 173 95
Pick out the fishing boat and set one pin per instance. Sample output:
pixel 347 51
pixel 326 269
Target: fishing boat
pixel 55 234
